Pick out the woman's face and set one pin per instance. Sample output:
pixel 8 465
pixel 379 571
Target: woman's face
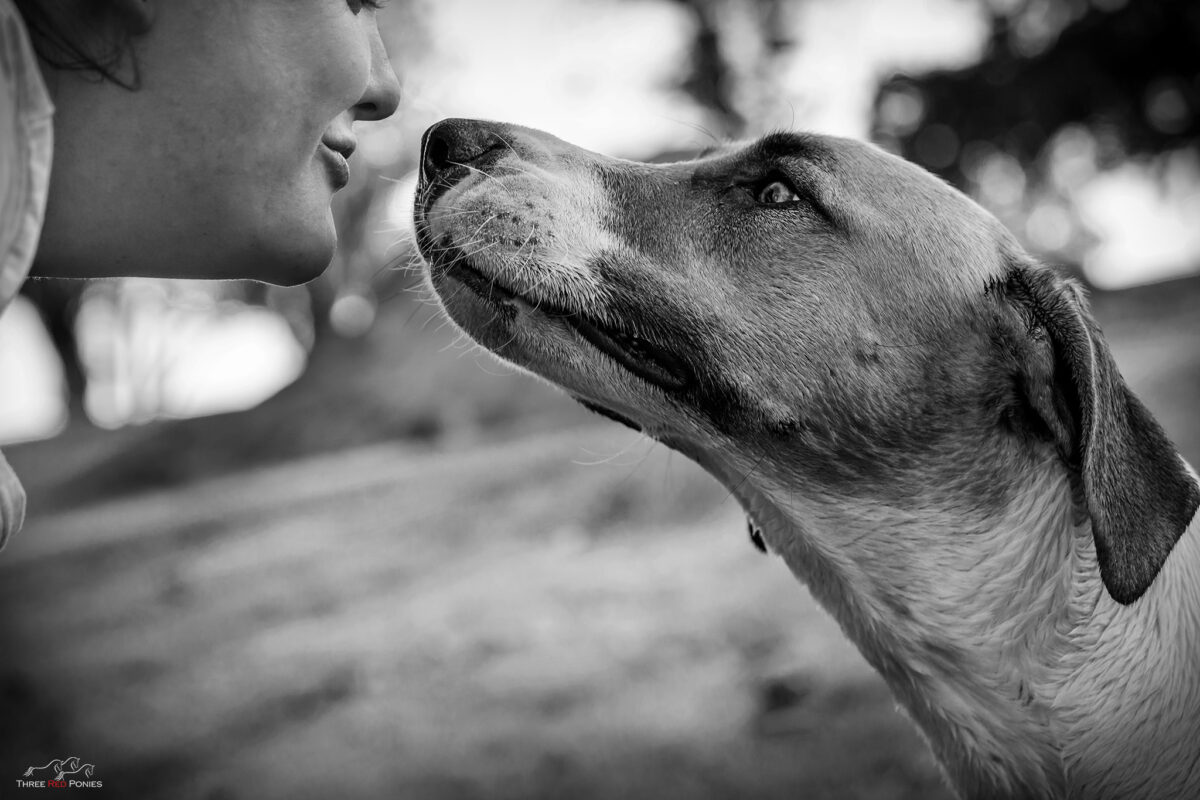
pixel 223 163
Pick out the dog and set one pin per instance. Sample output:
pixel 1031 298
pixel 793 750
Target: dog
pixel 922 420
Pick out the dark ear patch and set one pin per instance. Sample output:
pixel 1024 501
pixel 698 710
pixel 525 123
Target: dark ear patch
pixel 1139 494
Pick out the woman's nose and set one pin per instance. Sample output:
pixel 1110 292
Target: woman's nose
pixel 382 97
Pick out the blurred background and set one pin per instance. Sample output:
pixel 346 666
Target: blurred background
pixel 308 542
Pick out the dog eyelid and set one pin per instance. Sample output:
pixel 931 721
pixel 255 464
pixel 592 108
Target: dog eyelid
pixel 776 192
pixel 777 188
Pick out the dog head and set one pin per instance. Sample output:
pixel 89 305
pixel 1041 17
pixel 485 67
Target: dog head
pixel 805 308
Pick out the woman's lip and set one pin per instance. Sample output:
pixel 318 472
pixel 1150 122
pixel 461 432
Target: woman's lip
pixel 336 166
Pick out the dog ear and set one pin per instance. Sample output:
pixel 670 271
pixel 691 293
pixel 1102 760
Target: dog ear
pixel 1139 493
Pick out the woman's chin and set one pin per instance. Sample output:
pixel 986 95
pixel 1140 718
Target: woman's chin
pixel 290 258
pixel 293 271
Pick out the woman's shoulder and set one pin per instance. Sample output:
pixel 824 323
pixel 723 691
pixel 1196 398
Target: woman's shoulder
pixel 26 143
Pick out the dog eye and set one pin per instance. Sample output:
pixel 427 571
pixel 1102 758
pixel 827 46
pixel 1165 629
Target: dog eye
pixel 775 193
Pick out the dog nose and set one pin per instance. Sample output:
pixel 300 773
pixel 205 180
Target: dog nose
pixel 455 146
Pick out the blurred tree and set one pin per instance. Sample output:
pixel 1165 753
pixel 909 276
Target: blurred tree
pixel 1126 71
pixel 708 81
pixel 733 71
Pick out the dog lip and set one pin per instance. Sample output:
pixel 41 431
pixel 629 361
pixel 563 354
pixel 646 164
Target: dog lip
pixel 642 357
pixel 645 359
pixel 461 270
pixel 605 411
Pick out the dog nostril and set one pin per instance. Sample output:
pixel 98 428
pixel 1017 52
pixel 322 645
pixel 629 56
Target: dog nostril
pixel 456 144
pixel 437 154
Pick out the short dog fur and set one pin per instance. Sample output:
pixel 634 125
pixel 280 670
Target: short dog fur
pixel 922 421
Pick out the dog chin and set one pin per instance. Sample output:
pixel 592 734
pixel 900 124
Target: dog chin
pixel 502 322
pixel 488 319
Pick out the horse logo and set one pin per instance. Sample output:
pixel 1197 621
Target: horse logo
pixel 69 772
pixel 55 769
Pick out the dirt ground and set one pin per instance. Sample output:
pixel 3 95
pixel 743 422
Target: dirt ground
pixel 574 615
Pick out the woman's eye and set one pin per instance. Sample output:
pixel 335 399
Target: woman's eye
pixel 357 5
pixel 776 192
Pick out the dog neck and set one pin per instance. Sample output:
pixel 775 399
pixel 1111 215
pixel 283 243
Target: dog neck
pixel 1000 640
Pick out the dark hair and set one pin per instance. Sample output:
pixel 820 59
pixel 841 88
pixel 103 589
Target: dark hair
pixel 81 37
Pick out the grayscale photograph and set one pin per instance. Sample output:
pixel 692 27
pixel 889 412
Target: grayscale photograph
pixel 600 399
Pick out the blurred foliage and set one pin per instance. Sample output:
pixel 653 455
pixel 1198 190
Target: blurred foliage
pixel 1126 71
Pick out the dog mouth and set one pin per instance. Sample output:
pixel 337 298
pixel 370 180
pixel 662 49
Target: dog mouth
pixel 642 357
